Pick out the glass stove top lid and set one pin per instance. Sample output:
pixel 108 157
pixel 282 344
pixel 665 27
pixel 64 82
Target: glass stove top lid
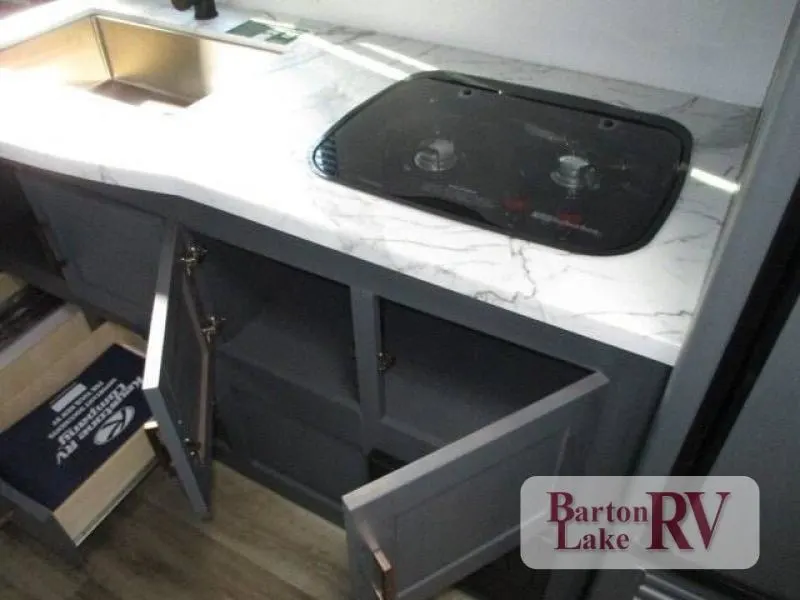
pixel 559 170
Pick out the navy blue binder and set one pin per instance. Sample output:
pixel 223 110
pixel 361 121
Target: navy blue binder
pixel 49 453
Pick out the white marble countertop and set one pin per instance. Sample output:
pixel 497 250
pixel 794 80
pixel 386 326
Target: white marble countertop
pixel 244 150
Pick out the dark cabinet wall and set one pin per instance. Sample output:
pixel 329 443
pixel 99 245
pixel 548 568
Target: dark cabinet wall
pixel 15 212
pixel 291 451
pixel 21 238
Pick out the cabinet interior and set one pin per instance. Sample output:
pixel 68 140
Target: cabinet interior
pixel 448 380
pixel 290 323
pixel 293 439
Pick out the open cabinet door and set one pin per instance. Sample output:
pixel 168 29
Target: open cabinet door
pixel 178 370
pixel 428 525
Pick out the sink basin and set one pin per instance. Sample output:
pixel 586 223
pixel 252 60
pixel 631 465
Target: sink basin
pixel 134 63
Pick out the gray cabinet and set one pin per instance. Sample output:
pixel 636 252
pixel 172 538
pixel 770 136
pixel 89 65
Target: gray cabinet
pixel 307 361
pixel 286 390
pixel 108 251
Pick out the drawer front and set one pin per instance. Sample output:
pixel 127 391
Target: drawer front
pixel 294 453
pixel 109 251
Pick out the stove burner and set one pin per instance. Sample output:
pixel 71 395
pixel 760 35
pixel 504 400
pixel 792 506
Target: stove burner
pixel 574 173
pixel 566 172
pixel 436 155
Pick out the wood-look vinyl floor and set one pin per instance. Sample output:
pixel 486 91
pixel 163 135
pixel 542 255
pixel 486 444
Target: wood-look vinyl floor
pixel 258 545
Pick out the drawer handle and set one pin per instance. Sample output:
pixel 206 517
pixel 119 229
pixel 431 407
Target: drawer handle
pixel 388 587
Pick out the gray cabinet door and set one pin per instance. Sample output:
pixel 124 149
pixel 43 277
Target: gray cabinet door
pixel 178 370
pixel 422 528
pixel 109 251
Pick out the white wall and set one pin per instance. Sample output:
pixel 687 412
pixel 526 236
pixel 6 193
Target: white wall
pixel 724 49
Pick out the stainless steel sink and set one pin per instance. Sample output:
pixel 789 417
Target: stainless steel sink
pixel 135 63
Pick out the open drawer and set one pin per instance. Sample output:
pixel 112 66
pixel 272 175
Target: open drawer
pixel 35 376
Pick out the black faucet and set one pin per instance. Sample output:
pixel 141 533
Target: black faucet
pixel 203 9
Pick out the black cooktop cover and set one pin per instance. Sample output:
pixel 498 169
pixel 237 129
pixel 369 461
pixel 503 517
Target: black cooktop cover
pixel 560 170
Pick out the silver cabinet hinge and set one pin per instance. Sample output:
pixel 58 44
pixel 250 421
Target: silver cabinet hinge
pixel 212 328
pixel 193 447
pixel 385 361
pixel 192 257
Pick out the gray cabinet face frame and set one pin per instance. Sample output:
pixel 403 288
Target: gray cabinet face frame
pixel 634 385
pixel 367 341
pixel 638 381
pixel 545 438
pixel 635 382
pixel 177 375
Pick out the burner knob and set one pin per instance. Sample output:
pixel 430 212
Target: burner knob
pixel 436 156
pixel 573 172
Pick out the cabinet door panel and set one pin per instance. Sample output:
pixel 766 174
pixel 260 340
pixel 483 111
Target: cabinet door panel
pixel 109 251
pixel 422 528
pixel 178 371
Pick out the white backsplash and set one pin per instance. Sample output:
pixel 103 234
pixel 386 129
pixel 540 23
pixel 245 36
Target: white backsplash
pixel 721 49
